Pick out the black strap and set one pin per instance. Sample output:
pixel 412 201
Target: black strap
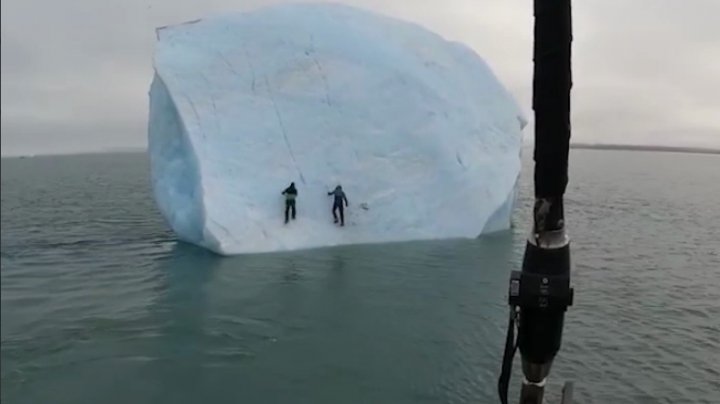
pixel 510 348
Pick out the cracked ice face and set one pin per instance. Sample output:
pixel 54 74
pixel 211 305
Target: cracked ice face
pixel 417 130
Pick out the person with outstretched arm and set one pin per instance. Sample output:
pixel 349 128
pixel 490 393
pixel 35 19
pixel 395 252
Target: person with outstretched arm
pixel 290 195
pixel 339 198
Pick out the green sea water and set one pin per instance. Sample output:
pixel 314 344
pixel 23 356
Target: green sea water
pixel 101 304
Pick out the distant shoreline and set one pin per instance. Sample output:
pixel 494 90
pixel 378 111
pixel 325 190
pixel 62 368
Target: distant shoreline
pixel 672 149
pixel 129 150
pixel 586 146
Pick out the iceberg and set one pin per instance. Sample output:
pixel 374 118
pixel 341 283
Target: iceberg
pixel 421 135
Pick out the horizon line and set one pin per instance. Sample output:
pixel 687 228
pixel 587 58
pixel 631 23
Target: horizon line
pixel 573 145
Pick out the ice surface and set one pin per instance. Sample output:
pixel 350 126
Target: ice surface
pixel 423 138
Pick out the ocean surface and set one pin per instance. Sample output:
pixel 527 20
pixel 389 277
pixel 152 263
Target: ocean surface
pixel 101 304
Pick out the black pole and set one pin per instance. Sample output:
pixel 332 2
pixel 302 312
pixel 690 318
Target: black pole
pixel 547 253
pixel 552 81
pixel 540 294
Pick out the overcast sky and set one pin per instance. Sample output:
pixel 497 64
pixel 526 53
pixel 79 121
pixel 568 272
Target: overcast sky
pixel 76 73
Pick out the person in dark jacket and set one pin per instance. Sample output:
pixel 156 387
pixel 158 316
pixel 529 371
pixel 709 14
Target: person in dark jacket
pixel 290 195
pixel 339 198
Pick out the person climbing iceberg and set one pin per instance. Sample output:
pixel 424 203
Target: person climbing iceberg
pixel 290 195
pixel 339 198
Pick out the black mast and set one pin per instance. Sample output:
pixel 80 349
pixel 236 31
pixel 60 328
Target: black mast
pixel 540 294
pixel 552 81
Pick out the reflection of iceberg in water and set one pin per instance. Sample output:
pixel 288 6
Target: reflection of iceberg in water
pixel 181 313
pixel 307 325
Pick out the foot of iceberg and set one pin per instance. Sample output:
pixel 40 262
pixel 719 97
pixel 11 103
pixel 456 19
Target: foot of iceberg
pixel 418 131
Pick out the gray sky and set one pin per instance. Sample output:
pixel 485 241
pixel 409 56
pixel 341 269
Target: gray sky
pixel 76 73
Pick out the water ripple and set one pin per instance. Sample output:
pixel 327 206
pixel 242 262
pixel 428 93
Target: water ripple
pixel 98 295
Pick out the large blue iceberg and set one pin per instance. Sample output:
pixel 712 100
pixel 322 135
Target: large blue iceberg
pixel 423 138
